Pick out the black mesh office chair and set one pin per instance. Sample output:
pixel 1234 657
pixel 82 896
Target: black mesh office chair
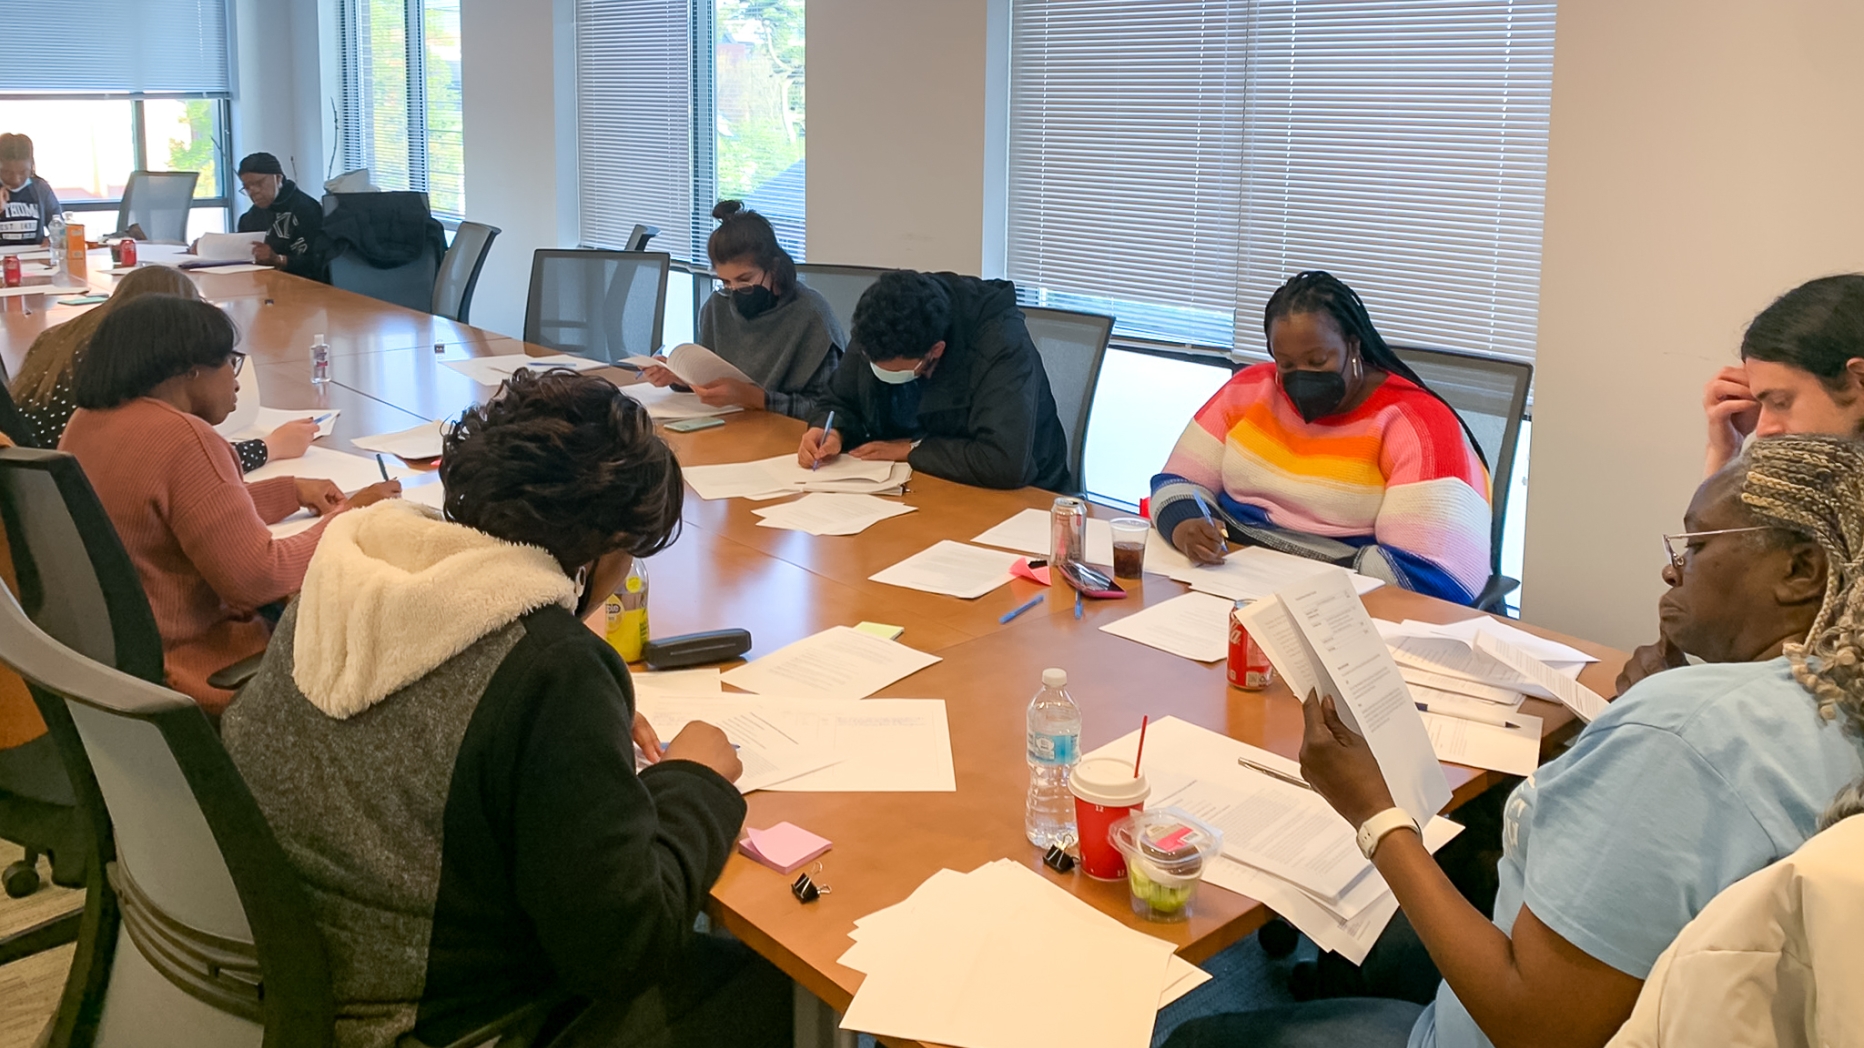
pixel 459 271
pixel 841 285
pixel 1073 346
pixel 385 245
pixel 158 202
pixel 1490 394
pixel 606 305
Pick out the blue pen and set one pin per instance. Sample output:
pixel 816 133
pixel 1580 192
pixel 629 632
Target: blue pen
pixel 1025 606
pixel 1077 604
pixel 828 426
pixel 321 419
pixel 1223 541
pixel 664 745
pixel 383 466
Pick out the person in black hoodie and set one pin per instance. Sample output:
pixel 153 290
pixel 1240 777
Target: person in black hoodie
pixel 291 219
pixel 444 750
pixel 941 373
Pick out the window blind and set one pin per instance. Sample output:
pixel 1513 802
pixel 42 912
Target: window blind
pixel 118 47
pixel 1401 146
pixel 634 122
pixel 1125 159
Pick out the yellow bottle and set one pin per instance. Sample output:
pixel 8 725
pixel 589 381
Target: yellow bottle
pixel 627 614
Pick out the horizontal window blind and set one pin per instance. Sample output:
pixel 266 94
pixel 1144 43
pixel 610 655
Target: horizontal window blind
pixel 1401 146
pixel 634 122
pixel 1125 159
pixel 117 47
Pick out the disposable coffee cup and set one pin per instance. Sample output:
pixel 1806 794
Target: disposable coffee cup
pixel 1105 791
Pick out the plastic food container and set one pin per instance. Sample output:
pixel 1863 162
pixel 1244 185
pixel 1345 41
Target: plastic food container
pixel 1165 853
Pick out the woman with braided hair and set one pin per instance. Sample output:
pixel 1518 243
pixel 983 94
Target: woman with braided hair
pixel 1334 450
pixel 1695 777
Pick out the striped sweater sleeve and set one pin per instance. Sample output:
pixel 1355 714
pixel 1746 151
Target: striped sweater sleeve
pixel 220 523
pixel 1432 531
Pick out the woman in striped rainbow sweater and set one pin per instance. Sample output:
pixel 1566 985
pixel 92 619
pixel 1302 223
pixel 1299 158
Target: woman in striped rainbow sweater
pixel 1335 450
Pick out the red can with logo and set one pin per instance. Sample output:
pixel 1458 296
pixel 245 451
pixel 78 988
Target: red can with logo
pixel 11 267
pixel 1250 669
pixel 128 257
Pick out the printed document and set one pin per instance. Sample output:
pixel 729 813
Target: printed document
pixel 1195 626
pixel 416 442
pixel 830 513
pixel 838 663
pixel 692 363
pixel 952 568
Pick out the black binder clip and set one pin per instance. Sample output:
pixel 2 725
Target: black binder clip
pixel 806 890
pixel 1058 859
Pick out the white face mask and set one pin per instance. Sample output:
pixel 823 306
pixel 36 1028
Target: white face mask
pixel 894 378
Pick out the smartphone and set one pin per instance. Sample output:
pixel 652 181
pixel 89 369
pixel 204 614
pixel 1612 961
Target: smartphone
pixel 687 425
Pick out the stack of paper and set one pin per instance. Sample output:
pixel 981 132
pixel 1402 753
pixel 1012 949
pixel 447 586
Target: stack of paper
pixel 1282 844
pixel 825 513
pixel 961 960
pixel 782 475
pixel 1252 572
pixel 1485 652
pixel 821 745
pixel 348 472
pixel 951 568
pixel 838 663
pixel 1028 532
pixel 492 370
pixel 1195 626
pixel 417 442
pixel 668 405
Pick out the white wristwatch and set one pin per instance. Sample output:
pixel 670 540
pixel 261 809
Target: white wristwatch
pixel 1373 830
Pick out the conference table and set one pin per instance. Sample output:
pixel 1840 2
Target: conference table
pixel 726 571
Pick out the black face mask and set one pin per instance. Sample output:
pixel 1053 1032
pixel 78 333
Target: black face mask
pixel 752 302
pixel 1315 394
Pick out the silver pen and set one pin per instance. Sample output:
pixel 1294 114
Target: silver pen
pixel 1273 773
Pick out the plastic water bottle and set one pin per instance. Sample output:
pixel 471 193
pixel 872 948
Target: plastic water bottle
pixel 1054 747
pixel 55 232
pixel 320 360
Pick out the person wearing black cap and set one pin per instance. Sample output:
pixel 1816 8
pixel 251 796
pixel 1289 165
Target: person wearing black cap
pixel 291 219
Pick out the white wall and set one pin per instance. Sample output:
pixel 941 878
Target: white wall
pixel 1705 158
pixel 897 132
pixel 280 105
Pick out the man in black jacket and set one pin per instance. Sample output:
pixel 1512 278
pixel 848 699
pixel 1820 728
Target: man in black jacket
pixel 941 373
pixel 291 219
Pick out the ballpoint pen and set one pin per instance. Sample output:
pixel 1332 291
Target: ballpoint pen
pixel 1292 780
pixel 1223 542
pixel 828 426
pixel 383 466
pixel 1077 604
pixel 1463 713
pixel 1019 609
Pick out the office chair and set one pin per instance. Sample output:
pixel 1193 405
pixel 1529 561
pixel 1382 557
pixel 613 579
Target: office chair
pixel 1073 346
pixel 841 285
pixel 459 271
pixel 1490 394
pixel 385 245
pixel 606 305
pixel 639 236
pixel 159 202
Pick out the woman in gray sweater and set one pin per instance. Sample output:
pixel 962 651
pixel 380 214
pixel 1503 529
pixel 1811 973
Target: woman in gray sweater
pixel 773 328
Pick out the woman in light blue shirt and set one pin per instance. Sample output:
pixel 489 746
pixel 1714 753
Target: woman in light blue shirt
pixel 1694 778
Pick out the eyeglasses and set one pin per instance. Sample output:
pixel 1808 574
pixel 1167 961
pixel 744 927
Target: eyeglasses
pixel 1676 547
pixel 236 361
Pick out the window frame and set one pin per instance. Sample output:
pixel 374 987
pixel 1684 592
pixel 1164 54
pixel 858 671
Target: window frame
pixel 139 148
pixel 355 145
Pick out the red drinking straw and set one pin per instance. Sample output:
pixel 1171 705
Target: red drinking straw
pixel 1142 744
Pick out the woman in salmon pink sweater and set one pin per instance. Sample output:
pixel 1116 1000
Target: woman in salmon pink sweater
pixel 160 374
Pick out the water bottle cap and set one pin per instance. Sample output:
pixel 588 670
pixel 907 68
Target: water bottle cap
pixel 319 337
pixel 1054 678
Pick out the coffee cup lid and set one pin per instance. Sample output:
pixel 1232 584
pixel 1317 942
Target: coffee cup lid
pixel 1107 781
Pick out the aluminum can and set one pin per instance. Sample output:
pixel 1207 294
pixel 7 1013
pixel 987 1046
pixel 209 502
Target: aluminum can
pixel 1249 667
pixel 1067 532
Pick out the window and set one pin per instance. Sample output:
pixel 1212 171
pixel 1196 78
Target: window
pixel 665 128
pixel 1173 161
pixel 402 117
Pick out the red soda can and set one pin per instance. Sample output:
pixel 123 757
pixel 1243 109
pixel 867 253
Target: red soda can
pixel 11 267
pixel 129 253
pixel 1249 668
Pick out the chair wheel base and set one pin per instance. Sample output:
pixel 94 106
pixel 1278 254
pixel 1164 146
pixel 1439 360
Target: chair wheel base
pixel 1278 938
pixel 21 880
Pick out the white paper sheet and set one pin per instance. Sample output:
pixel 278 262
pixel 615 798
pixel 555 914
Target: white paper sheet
pixel 668 405
pixel 239 267
pixel 1271 825
pixel 1469 689
pixel 1512 751
pixel 265 420
pixel 694 364
pixel 770 748
pixel 346 471
pixel 677 682
pixel 1028 532
pixel 1251 573
pixel 781 474
pixel 827 513
pixel 492 370
pixel 415 442
pixel 1195 626
pixel 43 289
pixel 1346 643
pixel 838 663
pixel 1548 651
pixel 952 568
pixel 226 245
pixel 1587 704
pixel 880 746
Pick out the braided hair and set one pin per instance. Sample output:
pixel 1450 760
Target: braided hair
pixel 1814 486
pixel 1317 291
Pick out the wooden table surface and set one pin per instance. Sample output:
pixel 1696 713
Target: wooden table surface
pixel 387 373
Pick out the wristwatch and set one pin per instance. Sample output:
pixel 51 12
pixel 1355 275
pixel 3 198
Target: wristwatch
pixel 1373 830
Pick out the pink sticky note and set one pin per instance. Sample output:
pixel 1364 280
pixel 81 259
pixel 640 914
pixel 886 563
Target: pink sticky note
pixel 1021 569
pixel 783 847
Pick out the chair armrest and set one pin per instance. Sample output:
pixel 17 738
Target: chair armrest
pixel 1494 596
pixel 515 1029
pixel 234 677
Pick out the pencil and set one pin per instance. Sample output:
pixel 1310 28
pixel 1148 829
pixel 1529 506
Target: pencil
pixel 1077 604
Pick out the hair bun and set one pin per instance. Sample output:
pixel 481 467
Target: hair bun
pixel 724 209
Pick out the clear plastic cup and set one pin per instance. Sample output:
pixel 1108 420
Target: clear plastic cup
pixel 1165 852
pixel 1129 546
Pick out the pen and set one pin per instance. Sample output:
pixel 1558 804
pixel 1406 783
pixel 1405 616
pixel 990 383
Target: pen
pixel 1223 541
pixel 828 426
pixel 327 416
pixel 1472 715
pixel 1019 609
pixel 1292 780
pixel 1077 604
pixel 383 466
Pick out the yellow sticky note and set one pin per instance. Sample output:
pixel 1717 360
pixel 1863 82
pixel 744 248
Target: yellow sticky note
pixel 881 630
